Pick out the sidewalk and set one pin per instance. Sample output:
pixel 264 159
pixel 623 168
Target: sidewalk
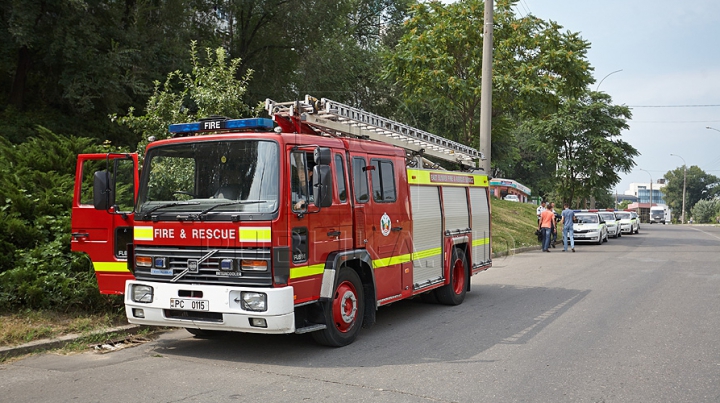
pixel 62 341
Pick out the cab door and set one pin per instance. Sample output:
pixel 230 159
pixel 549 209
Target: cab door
pixel 104 234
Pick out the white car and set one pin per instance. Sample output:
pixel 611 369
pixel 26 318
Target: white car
pixel 512 198
pixel 628 223
pixel 589 227
pixel 612 223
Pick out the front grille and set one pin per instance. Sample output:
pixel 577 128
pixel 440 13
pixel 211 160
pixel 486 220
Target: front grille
pixel 193 315
pixel 208 272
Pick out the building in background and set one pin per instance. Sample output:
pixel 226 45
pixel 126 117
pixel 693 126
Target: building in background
pixel 500 188
pixel 642 192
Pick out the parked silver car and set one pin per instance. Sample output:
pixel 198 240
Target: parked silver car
pixel 612 223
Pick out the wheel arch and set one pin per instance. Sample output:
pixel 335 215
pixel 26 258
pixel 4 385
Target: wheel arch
pixel 360 261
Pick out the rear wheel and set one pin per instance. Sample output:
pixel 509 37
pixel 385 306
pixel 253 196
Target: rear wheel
pixel 343 314
pixel 454 292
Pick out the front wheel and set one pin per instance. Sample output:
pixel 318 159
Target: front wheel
pixel 454 292
pixel 343 314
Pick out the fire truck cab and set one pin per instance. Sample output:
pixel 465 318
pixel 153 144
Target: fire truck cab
pixel 305 224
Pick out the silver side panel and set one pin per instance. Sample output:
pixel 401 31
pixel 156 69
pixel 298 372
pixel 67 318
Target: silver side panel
pixel 480 226
pixel 427 233
pixel 456 209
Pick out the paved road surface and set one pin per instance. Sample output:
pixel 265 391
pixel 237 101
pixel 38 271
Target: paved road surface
pixel 633 320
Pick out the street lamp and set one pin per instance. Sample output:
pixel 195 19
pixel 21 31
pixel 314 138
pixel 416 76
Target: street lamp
pixel 603 79
pixel 685 180
pixel 707 127
pixel 648 172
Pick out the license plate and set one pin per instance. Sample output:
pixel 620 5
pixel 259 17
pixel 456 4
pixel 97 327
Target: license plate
pixel 189 304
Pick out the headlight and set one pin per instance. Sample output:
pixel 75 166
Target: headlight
pixel 254 301
pixel 141 293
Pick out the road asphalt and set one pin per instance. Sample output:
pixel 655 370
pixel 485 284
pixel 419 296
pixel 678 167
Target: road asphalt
pixel 62 341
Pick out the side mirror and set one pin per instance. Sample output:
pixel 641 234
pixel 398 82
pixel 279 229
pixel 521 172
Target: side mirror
pixel 103 196
pixel 322 156
pixel 322 185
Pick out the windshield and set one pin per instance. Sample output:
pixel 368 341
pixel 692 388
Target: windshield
pixel 587 219
pixel 211 177
pixel 624 216
pixel 608 216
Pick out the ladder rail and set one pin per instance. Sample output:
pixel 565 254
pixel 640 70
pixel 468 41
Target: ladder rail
pixel 334 118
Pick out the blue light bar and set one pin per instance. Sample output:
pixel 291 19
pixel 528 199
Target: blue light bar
pixel 230 124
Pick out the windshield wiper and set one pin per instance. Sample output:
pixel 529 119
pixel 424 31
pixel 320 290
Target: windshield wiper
pixel 146 214
pixel 209 209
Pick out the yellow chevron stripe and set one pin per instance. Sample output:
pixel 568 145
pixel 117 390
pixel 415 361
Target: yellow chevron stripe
pixel 143 233
pixel 112 267
pixel 306 271
pixel 254 234
pixel 480 241
pixel 389 261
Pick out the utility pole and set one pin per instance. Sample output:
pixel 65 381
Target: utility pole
pixel 486 83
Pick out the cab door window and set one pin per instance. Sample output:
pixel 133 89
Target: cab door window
pixel 360 180
pixel 383 181
pixel 340 178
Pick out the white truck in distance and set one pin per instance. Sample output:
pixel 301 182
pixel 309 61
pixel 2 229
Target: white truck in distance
pixel 660 214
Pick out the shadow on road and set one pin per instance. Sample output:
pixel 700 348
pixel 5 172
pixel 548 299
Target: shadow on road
pixel 408 332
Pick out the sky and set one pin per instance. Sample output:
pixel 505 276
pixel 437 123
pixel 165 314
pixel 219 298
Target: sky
pixel 669 57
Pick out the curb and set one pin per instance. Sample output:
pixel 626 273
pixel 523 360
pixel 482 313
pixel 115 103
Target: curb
pixel 516 251
pixel 62 341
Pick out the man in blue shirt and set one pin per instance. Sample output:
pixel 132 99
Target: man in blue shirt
pixel 567 219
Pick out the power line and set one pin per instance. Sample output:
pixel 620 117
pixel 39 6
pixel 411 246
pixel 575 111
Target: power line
pixel 673 106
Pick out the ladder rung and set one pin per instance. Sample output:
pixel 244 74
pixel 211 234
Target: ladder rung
pixel 339 119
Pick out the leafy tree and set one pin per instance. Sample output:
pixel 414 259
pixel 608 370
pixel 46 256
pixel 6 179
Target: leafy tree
pixel 207 90
pixel 583 138
pixel 438 64
pixel 90 58
pixel 699 186
pixel 706 211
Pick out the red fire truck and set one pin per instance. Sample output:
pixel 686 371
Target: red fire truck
pixel 304 223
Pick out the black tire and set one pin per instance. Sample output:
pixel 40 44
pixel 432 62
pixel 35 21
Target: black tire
pixel 454 292
pixel 606 237
pixel 343 314
pixel 600 239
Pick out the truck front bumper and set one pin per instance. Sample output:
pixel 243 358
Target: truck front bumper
pixel 211 307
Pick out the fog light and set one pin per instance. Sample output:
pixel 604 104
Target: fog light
pixel 253 301
pixel 258 322
pixel 142 293
pixel 138 313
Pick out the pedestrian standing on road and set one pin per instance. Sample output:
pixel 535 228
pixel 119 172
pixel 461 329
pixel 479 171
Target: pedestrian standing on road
pixel 540 209
pixel 556 220
pixel 568 216
pixel 546 224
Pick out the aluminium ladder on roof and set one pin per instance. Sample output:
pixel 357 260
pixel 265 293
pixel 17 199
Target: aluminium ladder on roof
pixel 336 119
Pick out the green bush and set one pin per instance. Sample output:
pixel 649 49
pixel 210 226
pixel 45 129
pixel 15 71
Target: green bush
pixel 37 268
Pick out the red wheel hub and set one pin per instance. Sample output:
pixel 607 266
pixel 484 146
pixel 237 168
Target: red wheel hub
pixel 345 306
pixel 458 277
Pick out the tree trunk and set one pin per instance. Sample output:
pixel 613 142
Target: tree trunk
pixel 17 92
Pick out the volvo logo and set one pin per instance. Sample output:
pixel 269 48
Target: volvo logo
pixel 192 266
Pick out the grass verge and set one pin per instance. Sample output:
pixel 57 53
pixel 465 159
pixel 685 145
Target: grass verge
pixel 26 326
pixel 513 225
